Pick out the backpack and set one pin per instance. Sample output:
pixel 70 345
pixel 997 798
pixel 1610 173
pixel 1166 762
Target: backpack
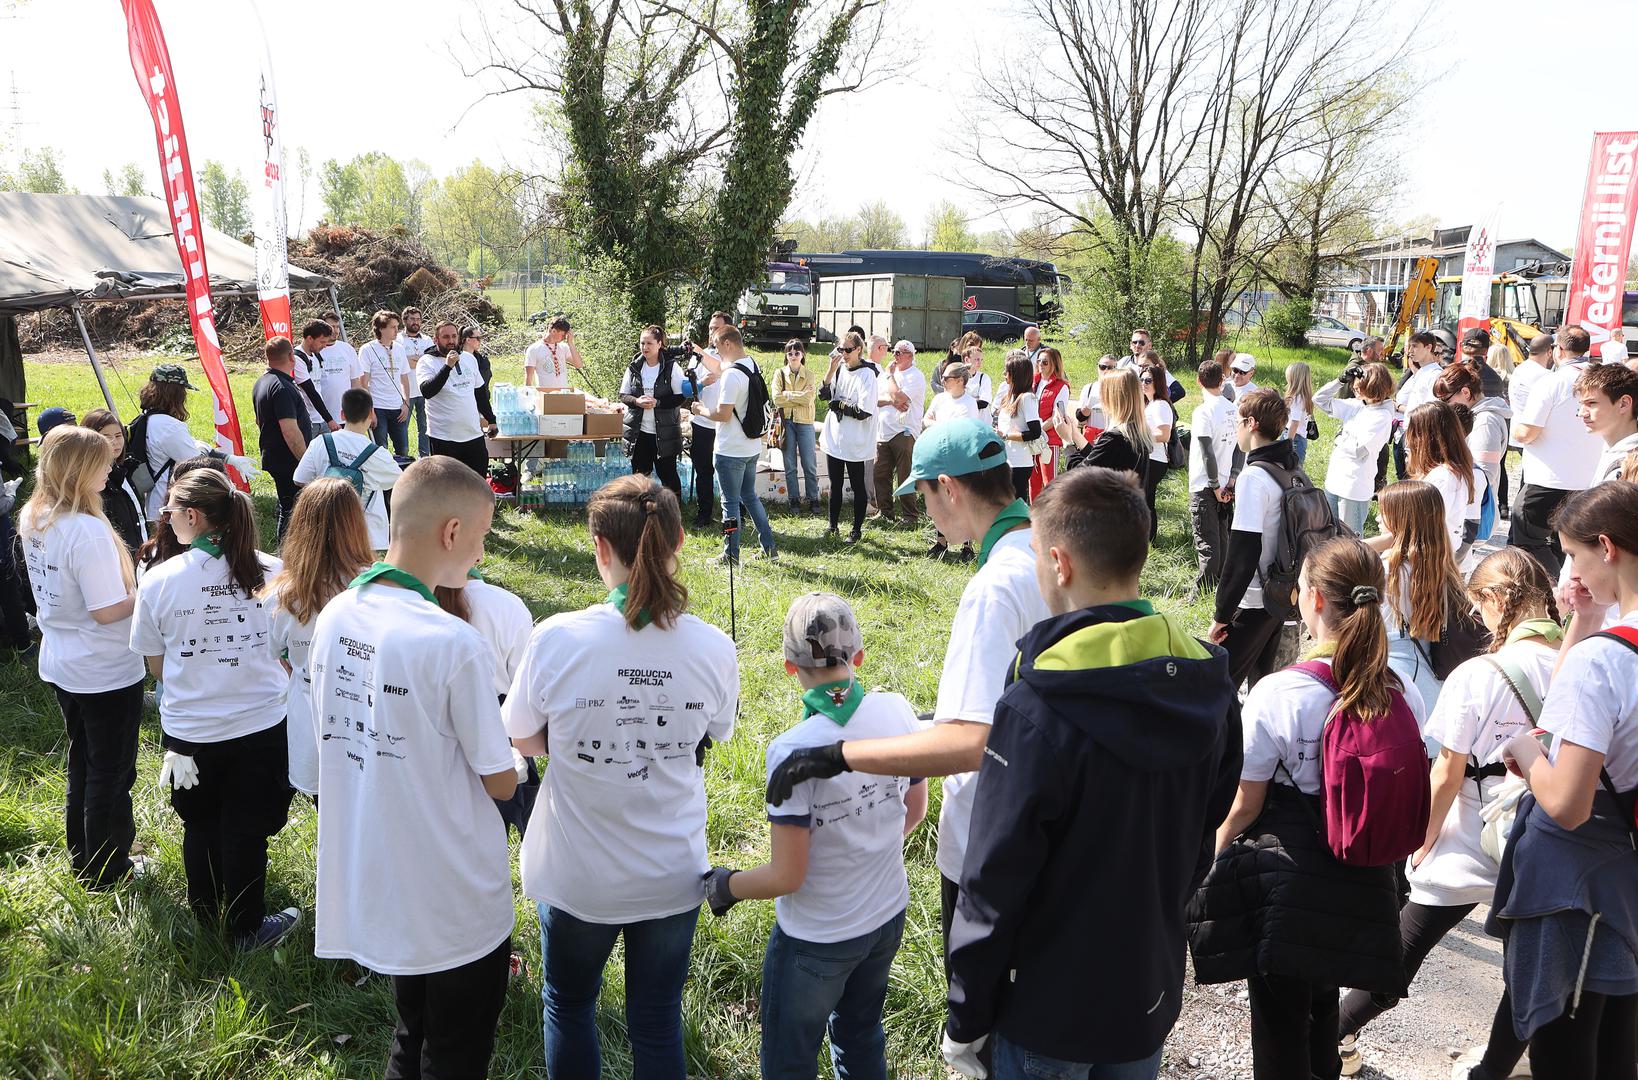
pixel 142 476
pixel 1627 636
pixel 1177 447
pixel 1306 522
pixel 755 420
pixel 1375 792
pixel 352 472
pixel 1487 511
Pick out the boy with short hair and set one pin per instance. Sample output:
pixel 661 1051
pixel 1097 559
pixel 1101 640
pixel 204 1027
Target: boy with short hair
pixel 1112 714
pixel 379 468
pixel 837 869
pixel 1211 474
pixel 1608 398
pixel 414 879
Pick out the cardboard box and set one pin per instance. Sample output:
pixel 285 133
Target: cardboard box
pixel 552 424
pixel 561 403
pixel 605 425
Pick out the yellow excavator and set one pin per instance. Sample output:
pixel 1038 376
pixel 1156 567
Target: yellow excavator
pixel 1524 302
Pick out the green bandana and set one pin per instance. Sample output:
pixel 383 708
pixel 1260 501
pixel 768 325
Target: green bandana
pixel 1142 607
pixel 389 572
pixel 838 700
pixel 1322 651
pixel 1013 516
pixel 1546 629
pixel 208 546
pixel 617 597
pixel 473 575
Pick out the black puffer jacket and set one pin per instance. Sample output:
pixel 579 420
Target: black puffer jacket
pixel 667 426
pixel 1277 902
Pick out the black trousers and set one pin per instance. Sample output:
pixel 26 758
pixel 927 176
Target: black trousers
pixel 647 460
pixel 1020 481
pixel 284 483
pixel 1293 1029
pixel 948 893
pixel 474 453
pixel 1211 518
pixel 702 452
pixel 447 1020
pixel 1530 526
pixel 856 477
pixel 516 810
pixel 103 729
pixel 1154 473
pixel 1501 483
pixel 1253 645
pixel 242 799
pixel 1420 929
pixel 15 594
pixel 1596 1044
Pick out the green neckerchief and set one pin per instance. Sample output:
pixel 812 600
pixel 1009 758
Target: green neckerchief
pixel 388 572
pixel 1142 607
pixel 838 700
pixel 617 597
pixel 1010 518
pixel 208 546
pixel 1546 629
pixel 1322 651
pixel 473 575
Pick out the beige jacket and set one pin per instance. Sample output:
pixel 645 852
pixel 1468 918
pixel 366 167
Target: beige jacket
pixel 794 395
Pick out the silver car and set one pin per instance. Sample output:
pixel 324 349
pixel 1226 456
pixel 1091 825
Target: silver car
pixel 1328 331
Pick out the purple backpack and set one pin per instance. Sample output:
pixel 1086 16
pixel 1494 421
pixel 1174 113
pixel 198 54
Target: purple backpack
pixel 1376 792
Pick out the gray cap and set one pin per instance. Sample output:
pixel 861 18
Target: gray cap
pixel 821 632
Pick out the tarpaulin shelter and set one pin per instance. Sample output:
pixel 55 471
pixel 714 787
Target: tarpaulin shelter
pixel 66 251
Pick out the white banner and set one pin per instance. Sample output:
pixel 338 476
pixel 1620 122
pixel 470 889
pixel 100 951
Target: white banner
pixel 272 238
pixel 1478 271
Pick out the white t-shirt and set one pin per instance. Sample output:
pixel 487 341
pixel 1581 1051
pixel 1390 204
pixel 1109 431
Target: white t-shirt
pixel 980 387
pixel 1613 352
pixel 1029 409
pixel 380 469
pixel 945 407
pixel 1519 384
pixel 1257 500
pixel 999 604
pixel 300 375
pixel 1418 389
pixel 618 830
pixel 74 569
pixel 889 420
pixel 1051 402
pixel 1212 431
pixel 550 363
pixel 1564 455
pixel 855 821
pixel 334 372
pixel 848 438
pixel 168 440
pixel 504 622
pixel 644 382
pixel 1593 702
pixel 1476 714
pixel 1281 722
pixel 1351 473
pixel 452 413
pixel 415 346
pixel 1092 405
pixel 1452 489
pixel 382 368
pixel 295 640
pixel 735 387
pixel 348 355
pixel 1613 458
pixel 223 679
pixel 1159 413
pixel 708 396
pixel 413 872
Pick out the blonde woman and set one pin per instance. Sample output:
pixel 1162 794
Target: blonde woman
pixel 1125 443
pixel 1299 400
pixel 84 589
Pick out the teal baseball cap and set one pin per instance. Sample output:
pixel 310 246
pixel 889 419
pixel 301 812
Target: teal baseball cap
pixel 953 448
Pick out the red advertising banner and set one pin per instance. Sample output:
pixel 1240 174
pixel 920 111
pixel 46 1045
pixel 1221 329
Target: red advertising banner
pixel 1599 272
pixel 151 62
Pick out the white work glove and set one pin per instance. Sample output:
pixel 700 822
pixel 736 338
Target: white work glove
pixel 179 771
pixel 963 1057
pixel 1521 752
pixel 245 466
pixel 521 764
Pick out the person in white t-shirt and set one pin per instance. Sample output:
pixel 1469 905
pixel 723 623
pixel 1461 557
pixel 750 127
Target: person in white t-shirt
pixel 325 547
pixel 1052 388
pixel 901 397
pixel 387 378
pixel 1018 420
pixel 378 471
pixel 836 869
pixel 1537 363
pixel 1567 911
pixel 1161 416
pixel 413 875
pixel 626 696
pixel 849 391
pixel 449 380
pixel 951 403
pixel 205 633
pixel 979 384
pixel 1367 424
pixel 84 593
pixel 1242 374
pixel 1299 402
pixel 1608 399
pixel 705 382
pixel 960 470
pixel 1212 444
pixel 416 343
pixel 736 453
pixel 546 363
pixel 1089 413
pixel 164 424
pixel 1436 452
pixel 333 371
pixel 1613 349
pixel 1560 454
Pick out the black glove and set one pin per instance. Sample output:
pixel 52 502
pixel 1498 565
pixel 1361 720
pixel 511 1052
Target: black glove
pixel 813 763
pixel 699 751
pixel 1352 372
pixel 717 893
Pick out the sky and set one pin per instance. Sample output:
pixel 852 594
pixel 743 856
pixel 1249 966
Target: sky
pixel 1499 124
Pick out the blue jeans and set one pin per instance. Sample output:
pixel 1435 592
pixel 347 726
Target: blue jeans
pixel 1351 512
pixel 574 952
pixel 1299 443
pixel 809 989
pixel 418 412
pixel 1015 1063
pixel 736 480
pixel 387 423
pixel 799 438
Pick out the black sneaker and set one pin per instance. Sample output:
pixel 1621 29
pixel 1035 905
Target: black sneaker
pixel 937 551
pixel 853 537
pixel 967 554
pixel 273 929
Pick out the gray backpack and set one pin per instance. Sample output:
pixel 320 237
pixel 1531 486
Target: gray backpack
pixel 352 472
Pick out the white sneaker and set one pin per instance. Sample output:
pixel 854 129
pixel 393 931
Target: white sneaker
pixel 1351 1060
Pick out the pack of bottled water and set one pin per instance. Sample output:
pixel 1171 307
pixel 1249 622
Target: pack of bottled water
pixel 513 412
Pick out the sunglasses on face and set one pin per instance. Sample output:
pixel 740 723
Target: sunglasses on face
pixel 1146 381
pixel 1106 367
pixel 1139 341
pixel 851 350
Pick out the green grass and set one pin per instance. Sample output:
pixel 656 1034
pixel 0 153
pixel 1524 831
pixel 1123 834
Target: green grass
pixel 124 984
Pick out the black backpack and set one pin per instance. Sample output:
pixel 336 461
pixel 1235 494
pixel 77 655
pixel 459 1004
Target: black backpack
pixel 143 478
pixel 755 420
pixel 1306 522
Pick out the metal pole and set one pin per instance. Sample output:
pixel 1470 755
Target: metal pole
pixel 335 305
pixel 96 365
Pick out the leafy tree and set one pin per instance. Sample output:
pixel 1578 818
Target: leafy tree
pixel 129 180
pixel 224 199
pixel 476 207
pixel 40 171
pixel 879 226
pixel 947 229
pixel 384 200
pixel 342 189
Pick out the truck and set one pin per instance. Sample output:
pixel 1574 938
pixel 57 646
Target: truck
pixel 1028 288
pixel 924 309
pixel 780 307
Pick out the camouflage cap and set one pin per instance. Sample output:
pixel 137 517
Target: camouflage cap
pixel 821 632
pixel 171 373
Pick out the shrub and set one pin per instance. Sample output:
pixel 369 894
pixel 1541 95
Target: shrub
pixel 1287 321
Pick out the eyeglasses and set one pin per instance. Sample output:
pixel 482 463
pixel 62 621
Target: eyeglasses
pixel 1139 341
pixel 1106 367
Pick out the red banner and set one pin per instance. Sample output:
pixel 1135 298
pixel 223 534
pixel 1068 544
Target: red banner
pixel 1478 271
pixel 151 62
pixel 1598 275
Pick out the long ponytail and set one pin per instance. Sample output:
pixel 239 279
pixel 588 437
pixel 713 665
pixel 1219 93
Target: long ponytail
pixel 1349 576
pixel 231 519
pixel 643 523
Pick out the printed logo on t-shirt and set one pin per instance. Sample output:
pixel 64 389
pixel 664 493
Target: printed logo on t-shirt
pixel 646 677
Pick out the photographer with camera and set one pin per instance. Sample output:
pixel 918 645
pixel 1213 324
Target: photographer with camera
pixel 850 427
pixel 652 392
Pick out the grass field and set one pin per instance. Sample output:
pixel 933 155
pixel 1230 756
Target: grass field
pixel 124 984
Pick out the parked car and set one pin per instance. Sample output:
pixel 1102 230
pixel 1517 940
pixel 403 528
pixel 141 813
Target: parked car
pixel 994 325
pixel 1328 331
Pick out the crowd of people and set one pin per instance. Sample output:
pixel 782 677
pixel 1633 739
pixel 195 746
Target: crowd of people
pixel 1462 727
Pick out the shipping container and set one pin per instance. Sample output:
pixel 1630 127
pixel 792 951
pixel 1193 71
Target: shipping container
pixel 922 308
